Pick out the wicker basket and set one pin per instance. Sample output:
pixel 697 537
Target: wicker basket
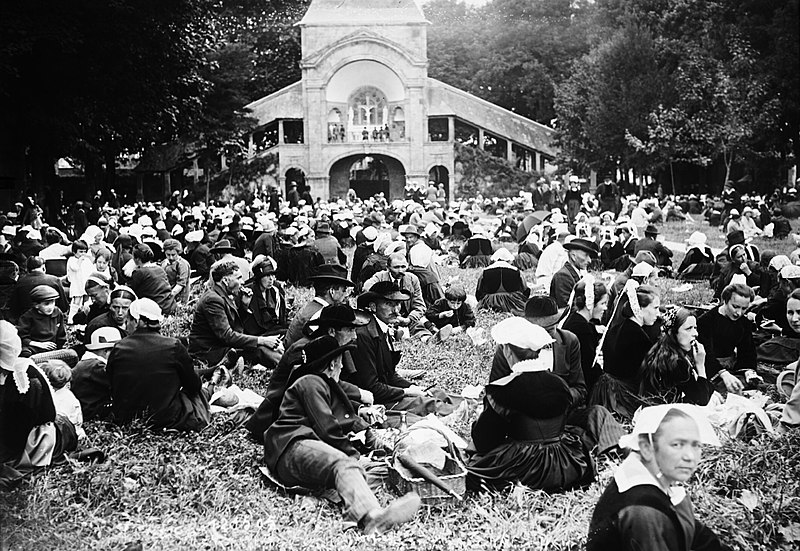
pixel 430 493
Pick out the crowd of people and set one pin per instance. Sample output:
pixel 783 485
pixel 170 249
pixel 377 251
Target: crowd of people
pixel 577 357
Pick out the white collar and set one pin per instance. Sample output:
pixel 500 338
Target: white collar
pixel 632 472
pixel 321 301
pixel 89 355
pixel 384 328
pixel 501 264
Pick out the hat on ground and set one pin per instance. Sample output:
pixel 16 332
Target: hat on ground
pixel 104 337
pixel 43 293
pixel 409 229
pixel 651 229
pixel 647 421
pixel 382 290
pixel 331 273
pixel 147 309
pixel 222 246
pixel 542 311
pixel 339 316
pixel 580 244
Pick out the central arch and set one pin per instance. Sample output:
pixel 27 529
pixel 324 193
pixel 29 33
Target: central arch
pixel 367 174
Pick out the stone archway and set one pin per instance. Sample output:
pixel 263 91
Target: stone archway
pixel 367 175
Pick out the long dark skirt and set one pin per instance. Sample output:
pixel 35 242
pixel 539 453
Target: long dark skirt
pixel 553 466
pixel 619 397
pixel 526 261
pixel 504 302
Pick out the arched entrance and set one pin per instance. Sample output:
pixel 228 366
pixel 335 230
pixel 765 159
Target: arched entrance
pixel 441 175
pixel 298 177
pixel 367 175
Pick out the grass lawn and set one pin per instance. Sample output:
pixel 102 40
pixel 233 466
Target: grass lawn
pixel 204 491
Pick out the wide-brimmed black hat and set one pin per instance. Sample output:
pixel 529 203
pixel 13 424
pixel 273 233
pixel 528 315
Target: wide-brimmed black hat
pixel 735 238
pixel 382 290
pixel 317 354
pixel 221 247
pixel 651 229
pixel 542 310
pixel 323 227
pixel 580 244
pixel 338 316
pixel 334 273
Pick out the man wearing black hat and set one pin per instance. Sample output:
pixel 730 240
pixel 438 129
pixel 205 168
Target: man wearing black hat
pixel 650 243
pixel 376 356
pixel 412 309
pixel 580 253
pixel 338 321
pixel 331 286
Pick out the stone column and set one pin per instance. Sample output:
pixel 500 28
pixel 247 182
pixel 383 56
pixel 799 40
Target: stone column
pixel 280 131
pixel 451 129
pixel 509 152
pixel 538 160
pixel 480 138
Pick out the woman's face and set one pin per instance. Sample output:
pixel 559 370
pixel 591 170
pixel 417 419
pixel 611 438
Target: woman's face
pixel 739 256
pixel 600 308
pixel 650 313
pixel 676 449
pixel 687 333
pixel 793 314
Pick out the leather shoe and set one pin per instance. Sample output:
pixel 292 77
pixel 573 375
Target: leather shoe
pixel 397 512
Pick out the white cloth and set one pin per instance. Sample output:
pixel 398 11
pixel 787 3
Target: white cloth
pixel 553 258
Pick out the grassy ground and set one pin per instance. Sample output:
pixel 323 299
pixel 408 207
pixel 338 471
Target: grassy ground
pixel 204 491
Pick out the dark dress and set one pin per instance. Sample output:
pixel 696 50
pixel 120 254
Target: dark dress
pixel 589 338
pixel 477 253
pixel 683 385
pixel 698 264
pixel 502 289
pixel 522 436
pixel 527 256
pixel 624 349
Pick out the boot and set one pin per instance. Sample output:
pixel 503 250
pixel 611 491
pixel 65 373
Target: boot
pixel 397 512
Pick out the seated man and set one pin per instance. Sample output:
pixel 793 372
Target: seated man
pixel 331 286
pixel 650 243
pixel 152 376
pixel 97 288
pixel 412 309
pixel 727 336
pixel 580 253
pixel 376 356
pixel 117 315
pixel 149 280
pixel 217 326
pixel 337 320
pixel 643 507
pixel 89 380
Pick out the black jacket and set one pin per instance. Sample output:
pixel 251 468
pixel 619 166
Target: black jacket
pixel 375 365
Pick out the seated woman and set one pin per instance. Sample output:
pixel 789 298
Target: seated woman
pixel 643 507
pixel 422 265
pixel 32 434
pixel 675 368
pixel 476 253
pixel 521 434
pixel 589 302
pixel 530 250
pixel 772 315
pixel 739 264
pixel 625 346
pixel 266 314
pixel 698 263
pixel 500 286
pixel 308 445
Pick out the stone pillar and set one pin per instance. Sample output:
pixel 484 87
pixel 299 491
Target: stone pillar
pixel 280 131
pixel 480 138
pixel 509 151
pixel 451 129
pixel 537 160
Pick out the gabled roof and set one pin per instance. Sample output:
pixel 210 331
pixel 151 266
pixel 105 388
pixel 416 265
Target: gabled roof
pixel 446 100
pixel 286 103
pixel 359 12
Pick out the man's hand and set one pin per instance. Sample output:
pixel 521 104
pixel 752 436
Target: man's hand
pixel 414 390
pixel 731 383
pixel 745 268
pixel 47 346
pixel 273 343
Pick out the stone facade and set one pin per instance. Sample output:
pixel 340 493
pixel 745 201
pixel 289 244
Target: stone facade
pixel 365 92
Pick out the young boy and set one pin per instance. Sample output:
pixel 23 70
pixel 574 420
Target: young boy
pixel 41 327
pixel 59 374
pixel 452 310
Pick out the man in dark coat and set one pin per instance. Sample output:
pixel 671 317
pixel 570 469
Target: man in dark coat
pixel 120 301
pixel 339 321
pixel 149 280
pixel 265 243
pixel 292 196
pixel 328 246
pixel 217 325
pixel 650 243
pixel 152 376
pixel 580 253
pixel 20 301
pixel 331 286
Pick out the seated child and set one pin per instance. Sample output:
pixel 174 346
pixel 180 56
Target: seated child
pixel 41 327
pixel 102 265
pixel 59 375
pixel 452 310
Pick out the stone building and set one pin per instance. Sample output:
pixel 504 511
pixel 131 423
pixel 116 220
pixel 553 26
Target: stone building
pixel 365 114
